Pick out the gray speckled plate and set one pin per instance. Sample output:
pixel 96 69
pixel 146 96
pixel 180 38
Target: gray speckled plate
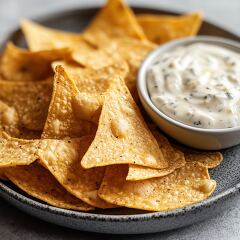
pixel 123 221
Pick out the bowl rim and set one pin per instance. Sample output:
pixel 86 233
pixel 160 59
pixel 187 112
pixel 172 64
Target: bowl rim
pixel 142 86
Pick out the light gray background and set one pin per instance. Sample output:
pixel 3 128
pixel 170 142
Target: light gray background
pixel 17 225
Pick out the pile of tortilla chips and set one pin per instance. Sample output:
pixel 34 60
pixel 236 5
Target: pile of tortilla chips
pixel 71 133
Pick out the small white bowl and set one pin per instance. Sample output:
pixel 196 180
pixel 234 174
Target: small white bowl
pixel 201 138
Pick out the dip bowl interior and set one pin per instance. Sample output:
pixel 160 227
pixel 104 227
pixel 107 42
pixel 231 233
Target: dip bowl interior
pixel 200 138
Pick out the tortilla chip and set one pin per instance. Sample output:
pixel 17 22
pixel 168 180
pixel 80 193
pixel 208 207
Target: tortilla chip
pixel 22 65
pixel 41 38
pixel 133 52
pixel 115 19
pixel 207 159
pixel 39 183
pixel 160 29
pixel 187 185
pixel 92 81
pixel 174 157
pixel 122 135
pixel 62 119
pixel 61 158
pixel 15 152
pixel 2 174
pixel 28 102
pixel 9 120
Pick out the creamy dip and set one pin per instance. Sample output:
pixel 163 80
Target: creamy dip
pixel 198 85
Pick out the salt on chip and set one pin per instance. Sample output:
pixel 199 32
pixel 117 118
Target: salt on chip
pixel 174 157
pixel 61 158
pixel 41 38
pixel 22 65
pixel 30 100
pixel 163 28
pixel 187 185
pixel 36 181
pixel 14 152
pixel 114 20
pixel 122 135
pixel 62 119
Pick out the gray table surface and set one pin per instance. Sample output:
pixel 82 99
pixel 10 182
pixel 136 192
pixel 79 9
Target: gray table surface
pixel 15 224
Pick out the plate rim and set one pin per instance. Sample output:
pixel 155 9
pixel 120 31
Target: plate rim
pixel 4 189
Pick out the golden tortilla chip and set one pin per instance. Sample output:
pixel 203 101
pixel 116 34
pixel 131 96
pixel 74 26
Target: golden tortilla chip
pixel 63 118
pixel 39 183
pixel 61 158
pixel 187 185
pixel 160 29
pixel 122 135
pixel 92 81
pixel 174 157
pixel 28 102
pixel 115 19
pixel 9 123
pixel 22 65
pixel 207 159
pixel 133 52
pixel 41 38
pixel 9 120
pixel 15 152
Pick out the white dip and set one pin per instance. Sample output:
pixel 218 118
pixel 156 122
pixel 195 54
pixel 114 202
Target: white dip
pixel 198 85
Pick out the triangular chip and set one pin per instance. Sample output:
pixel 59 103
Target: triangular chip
pixel 187 185
pixel 174 157
pixel 30 100
pixel 61 158
pixel 160 29
pixel 133 51
pixel 22 65
pixel 122 135
pixel 14 152
pixel 207 159
pixel 92 81
pixel 63 118
pixel 36 181
pixel 115 19
pixel 42 38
